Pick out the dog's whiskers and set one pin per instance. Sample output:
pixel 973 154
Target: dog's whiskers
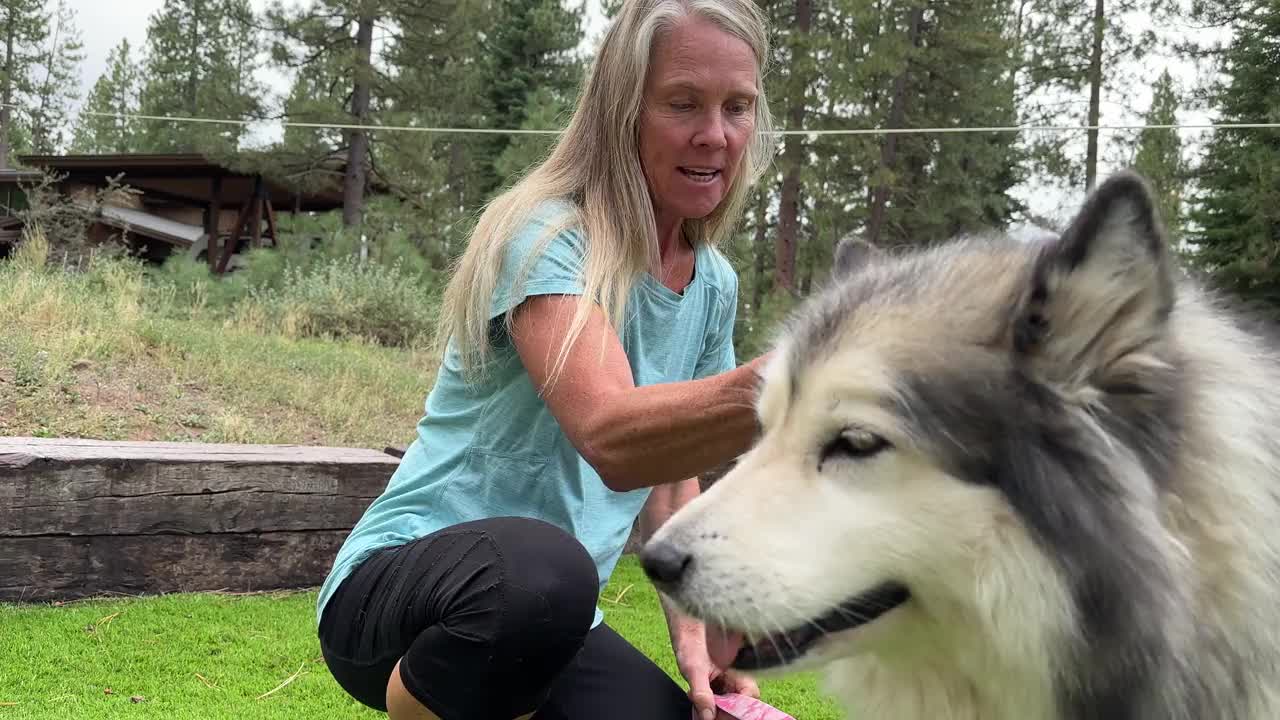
pixel 768 620
pixel 806 619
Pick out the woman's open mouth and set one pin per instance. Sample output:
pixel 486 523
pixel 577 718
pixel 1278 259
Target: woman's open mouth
pixel 729 648
pixel 700 174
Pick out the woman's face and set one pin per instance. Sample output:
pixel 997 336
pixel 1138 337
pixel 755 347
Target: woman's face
pixel 698 116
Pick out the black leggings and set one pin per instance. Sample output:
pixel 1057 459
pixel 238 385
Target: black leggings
pixel 492 620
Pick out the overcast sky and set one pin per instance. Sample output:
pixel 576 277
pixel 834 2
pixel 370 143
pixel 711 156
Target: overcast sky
pixel 103 23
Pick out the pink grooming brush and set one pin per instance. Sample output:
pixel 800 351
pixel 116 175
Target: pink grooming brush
pixel 740 707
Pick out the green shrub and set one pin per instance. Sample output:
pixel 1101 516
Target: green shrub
pixel 184 286
pixel 348 298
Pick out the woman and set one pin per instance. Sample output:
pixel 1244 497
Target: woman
pixel 468 589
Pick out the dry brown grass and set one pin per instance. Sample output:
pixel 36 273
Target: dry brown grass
pixel 94 355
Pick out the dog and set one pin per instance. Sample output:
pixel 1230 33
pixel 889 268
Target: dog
pixel 1004 480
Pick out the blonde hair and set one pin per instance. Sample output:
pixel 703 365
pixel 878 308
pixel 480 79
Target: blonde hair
pixel 595 166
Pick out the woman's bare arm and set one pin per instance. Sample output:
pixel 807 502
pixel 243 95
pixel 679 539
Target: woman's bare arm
pixel 633 436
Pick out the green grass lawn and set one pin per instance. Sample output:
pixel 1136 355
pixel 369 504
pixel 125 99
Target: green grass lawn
pixel 211 656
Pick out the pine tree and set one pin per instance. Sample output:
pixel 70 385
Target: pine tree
pixel 924 64
pixel 200 62
pixel 906 36
pixel 1069 48
pixel 481 73
pixel 100 128
pixel 530 69
pixel 1158 155
pixel 860 49
pixel 341 78
pixel 544 109
pixel 442 80
pixel 57 82
pixel 796 97
pixel 315 97
pixel 894 65
pixel 1235 223
pixel 24 30
pixel 951 184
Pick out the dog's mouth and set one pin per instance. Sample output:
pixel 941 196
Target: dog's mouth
pixel 730 649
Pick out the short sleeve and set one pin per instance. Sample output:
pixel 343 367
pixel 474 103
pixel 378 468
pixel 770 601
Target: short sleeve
pixel 556 269
pixel 718 355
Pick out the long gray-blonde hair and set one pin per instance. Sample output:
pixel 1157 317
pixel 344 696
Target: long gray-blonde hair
pixel 595 166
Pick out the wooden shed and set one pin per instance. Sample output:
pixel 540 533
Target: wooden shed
pixel 184 199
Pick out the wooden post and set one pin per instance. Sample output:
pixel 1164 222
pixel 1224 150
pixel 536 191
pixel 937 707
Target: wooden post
pixel 211 222
pixel 255 231
pixel 271 223
pixel 227 251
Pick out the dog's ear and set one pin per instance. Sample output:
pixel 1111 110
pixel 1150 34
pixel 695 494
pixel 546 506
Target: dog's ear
pixel 851 254
pixel 1102 292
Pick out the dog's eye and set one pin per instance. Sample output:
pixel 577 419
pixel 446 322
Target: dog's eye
pixel 854 443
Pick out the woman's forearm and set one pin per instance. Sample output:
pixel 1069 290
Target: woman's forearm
pixel 633 436
pixel 656 434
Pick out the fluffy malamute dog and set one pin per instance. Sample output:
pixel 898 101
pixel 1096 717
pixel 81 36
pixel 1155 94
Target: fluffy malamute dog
pixel 1005 481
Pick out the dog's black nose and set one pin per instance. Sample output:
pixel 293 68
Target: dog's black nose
pixel 665 563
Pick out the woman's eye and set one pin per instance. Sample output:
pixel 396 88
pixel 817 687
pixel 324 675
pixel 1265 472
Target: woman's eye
pixel 854 443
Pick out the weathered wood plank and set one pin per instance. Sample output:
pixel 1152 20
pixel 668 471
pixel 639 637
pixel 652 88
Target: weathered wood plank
pixel 85 517
pixel 95 487
pixel 229 511
pixel 68 568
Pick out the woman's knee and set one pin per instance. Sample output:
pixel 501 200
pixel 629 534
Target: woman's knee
pixel 547 559
pixel 500 644
pixel 550 579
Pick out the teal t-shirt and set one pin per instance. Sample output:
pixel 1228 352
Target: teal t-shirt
pixel 495 449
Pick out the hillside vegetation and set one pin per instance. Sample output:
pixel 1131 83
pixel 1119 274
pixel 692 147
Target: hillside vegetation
pixel 331 352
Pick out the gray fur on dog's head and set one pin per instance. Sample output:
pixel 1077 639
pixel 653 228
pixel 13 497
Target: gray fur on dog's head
pixel 850 254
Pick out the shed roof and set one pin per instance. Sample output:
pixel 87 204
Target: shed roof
pixel 188 177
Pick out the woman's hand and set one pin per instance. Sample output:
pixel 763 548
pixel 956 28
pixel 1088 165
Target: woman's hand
pixel 705 679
